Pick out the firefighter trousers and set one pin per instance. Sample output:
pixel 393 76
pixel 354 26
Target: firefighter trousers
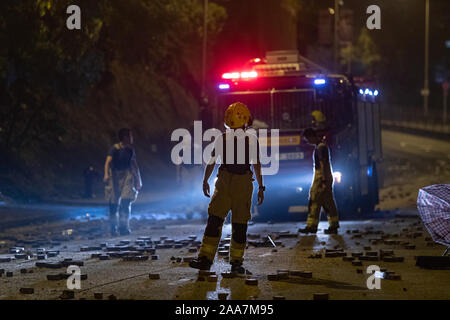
pixel 322 197
pixel 232 192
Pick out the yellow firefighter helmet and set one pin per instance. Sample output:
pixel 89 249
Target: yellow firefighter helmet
pixel 237 115
pixel 318 117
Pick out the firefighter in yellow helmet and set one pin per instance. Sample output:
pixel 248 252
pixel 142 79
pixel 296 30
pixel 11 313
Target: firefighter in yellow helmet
pixel 321 192
pixel 319 123
pixel 233 189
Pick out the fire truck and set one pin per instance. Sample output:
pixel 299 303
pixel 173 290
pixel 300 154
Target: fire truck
pixel 282 90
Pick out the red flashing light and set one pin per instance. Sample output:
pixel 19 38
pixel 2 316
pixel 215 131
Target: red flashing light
pixel 237 75
pixel 231 75
pixel 249 74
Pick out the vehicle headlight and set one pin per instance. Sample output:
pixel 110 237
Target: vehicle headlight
pixel 337 176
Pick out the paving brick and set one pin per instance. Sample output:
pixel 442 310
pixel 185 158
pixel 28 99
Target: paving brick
pixel 393 259
pixel 320 296
pixel 67 294
pixel 357 254
pixel 251 282
pixel 211 278
pixel 52 254
pixel 135 258
pixel 54 277
pixel 154 276
pixel 72 263
pixel 283 275
pixel 227 275
pixel 223 253
pixel 272 277
pixel 98 295
pixel 188 259
pixel 49 265
pixel 301 273
pixel 368 258
pixel 103 257
pixel 222 295
pixel 26 290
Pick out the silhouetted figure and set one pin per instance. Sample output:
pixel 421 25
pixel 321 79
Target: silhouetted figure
pixel 123 182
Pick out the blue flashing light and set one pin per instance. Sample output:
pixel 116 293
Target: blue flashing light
pixel 318 82
pixel 375 93
pixel 361 91
pixel 367 91
pixel 224 86
pixel 369 171
pixel 370 93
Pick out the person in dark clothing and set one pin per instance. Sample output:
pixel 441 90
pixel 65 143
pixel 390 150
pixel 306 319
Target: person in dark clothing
pixel 123 181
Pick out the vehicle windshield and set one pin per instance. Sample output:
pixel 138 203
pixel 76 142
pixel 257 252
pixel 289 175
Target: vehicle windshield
pixel 280 109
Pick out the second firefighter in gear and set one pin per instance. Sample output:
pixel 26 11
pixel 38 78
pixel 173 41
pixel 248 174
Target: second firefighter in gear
pixel 233 189
pixel 321 192
pixel 319 123
pixel 123 182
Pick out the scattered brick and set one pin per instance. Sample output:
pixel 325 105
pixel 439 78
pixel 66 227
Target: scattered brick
pixel 320 296
pixel 300 273
pixel 98 295
pixel 228 275
pixel 222 296
pixel 26 290
pixel 272 277
pixel 251 282
pixel 67 294
pixel 223 253
pixel 393 259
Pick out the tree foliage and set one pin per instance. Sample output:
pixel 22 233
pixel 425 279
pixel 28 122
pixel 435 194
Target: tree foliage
pixel 46 69
pixel 365 53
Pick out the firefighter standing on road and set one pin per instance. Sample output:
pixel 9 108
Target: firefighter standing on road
pixel 233 189
pixel 123 181
pixel 321 192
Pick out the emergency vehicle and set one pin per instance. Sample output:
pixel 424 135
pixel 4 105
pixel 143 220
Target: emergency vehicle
pixel 282 90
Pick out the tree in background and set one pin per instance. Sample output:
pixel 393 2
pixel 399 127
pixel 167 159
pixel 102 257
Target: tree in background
pixel 63 90
pixel 364 54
